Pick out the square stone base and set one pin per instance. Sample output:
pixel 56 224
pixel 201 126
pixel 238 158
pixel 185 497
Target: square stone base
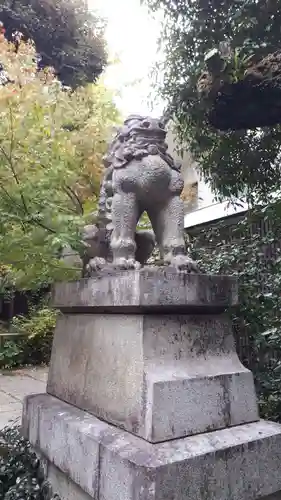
pixel 87 458
pixel 151 351
pixel 159 377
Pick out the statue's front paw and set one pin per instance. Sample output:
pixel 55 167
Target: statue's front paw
pixel 184 263
pixel 123 263
pixel 94 265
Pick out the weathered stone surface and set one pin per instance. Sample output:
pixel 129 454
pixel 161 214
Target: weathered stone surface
pixel 63 486
pixel 158 376
pixel 147 289
pixel 242 463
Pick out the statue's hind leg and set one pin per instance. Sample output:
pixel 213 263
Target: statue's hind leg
pixel 168 224
pixel 125 215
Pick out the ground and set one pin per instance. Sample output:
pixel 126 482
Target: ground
pixel 14 386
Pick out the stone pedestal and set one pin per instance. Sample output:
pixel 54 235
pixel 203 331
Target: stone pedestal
pixel 147 398
pixel 159 376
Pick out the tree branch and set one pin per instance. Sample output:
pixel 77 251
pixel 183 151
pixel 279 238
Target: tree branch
pixel 10 163
pixel 71 193
pixel 24 207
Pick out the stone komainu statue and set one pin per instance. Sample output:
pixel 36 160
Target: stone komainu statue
pixel 140 177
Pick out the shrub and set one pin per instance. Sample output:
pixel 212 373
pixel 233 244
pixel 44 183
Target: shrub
pixel 253 255
pixel 34 343
pixel 37 331
pixel 21 472
pixel 10 354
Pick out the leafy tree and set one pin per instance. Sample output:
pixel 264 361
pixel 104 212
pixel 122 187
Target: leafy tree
pixel 51 147
pixel 236 163
pixel 66 34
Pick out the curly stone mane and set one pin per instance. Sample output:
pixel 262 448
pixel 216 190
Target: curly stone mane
pixel 140 136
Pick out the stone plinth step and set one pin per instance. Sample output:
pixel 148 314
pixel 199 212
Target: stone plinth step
pixel 86 458
pixel 147 290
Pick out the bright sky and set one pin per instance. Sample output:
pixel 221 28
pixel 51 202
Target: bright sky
pixel 132 36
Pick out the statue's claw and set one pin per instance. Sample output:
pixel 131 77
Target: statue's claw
pixel 95 265
pixel 183 263
pixel 123 263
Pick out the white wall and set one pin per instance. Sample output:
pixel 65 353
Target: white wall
pixel 207 209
